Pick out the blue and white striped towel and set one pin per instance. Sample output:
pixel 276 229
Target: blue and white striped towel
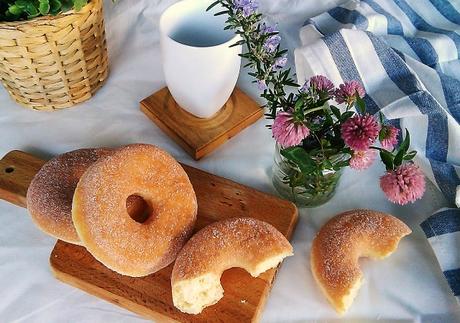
pixel 406 54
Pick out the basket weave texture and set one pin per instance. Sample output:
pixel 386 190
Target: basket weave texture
pixel 56 62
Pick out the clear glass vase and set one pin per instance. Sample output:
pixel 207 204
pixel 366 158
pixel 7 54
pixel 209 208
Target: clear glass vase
pixel 314 190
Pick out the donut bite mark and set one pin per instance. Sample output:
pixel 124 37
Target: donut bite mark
pixel 103 206
pixel 342 241
pixel 253 245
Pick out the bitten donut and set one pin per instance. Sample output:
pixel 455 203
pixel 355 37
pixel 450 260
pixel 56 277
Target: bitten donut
pixel 238 242
pixel 342 241
pixel 49 197
pixel 102 220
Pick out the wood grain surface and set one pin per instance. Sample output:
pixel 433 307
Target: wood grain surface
pixel 199 137
pixel 218 198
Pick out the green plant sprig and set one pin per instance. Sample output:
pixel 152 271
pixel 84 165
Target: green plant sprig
pixel 262 62
pixel 13 10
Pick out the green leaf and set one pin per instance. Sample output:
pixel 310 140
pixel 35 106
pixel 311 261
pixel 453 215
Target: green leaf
pixel 220 13
pixel 44 7
pixel 382 133
pixel 335 111
pixel 291 84
pixel 297 179
pixel 360 104
pixel 329 121
pixel 405 144
pixel 381 118
pixel 398 158
pixel 325 142
pixel 321 102
pixel 339 167
pixel 282 52
pixel 215 3
pixel 347 150
pixel 341 164
pixel 401 152
pixel 346 115
pixel 387 159
pixel 301 158
pixel 22 3
pixel 240 42
pixel 327 164
pixel 298 104
pixel 15 10
pixel 79 4
pixel 31 10
pixel 55 7
pixel 315 127
pixel 66 5
pixel 410 155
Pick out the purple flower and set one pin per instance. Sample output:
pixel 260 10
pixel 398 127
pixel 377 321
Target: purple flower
pixel 247 11
pixel 362 159
pixel 318 120
pixel 280 63
pixel 304 88
pixel 272 43
pixel 262 86
pixel 322 85
pixel 266 29
pixel 248 7
pixel 403 185
pixel 287 132
pixel 347 92
pixel 360 132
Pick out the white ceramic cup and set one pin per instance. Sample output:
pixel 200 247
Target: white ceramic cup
pixel 200 67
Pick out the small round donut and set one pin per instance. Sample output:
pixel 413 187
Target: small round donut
pixel 49 196
pixel 101 212
pixel 237 242
pixel 342 241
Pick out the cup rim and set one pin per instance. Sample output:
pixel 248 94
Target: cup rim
pixel 234 39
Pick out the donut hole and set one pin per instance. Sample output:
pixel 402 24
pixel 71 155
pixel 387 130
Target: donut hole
pixel 138 208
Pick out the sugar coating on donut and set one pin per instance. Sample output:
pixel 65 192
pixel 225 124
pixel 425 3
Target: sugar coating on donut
pixel 49 196
pixel 238 242
pixel 102 220
pixel 342 241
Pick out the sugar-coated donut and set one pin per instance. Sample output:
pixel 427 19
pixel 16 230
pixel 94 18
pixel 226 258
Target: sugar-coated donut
pixel 342 241
pixel 106 228
pixel 238 242
pixel 49 196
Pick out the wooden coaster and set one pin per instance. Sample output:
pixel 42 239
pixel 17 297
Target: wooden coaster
pixel 198 136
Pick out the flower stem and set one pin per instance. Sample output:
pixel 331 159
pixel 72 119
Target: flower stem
pixel 313 110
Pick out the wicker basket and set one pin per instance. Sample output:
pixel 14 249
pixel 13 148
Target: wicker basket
pixel 52 63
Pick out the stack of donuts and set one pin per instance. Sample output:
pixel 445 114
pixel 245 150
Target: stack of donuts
pixel 134 209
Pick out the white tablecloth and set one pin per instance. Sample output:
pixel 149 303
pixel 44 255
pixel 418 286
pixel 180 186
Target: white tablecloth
pixel 408 286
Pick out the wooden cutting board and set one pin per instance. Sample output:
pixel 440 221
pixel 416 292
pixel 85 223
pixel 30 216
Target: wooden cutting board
pixel 218 198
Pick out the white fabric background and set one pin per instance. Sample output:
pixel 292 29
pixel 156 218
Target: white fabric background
pixel 407 287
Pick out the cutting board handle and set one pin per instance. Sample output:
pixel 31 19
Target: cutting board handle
pixel 17 169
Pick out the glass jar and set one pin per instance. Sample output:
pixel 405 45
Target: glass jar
pixel 312 190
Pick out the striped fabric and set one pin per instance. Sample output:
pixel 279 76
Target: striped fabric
pixel 407 55
pixel 443 232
